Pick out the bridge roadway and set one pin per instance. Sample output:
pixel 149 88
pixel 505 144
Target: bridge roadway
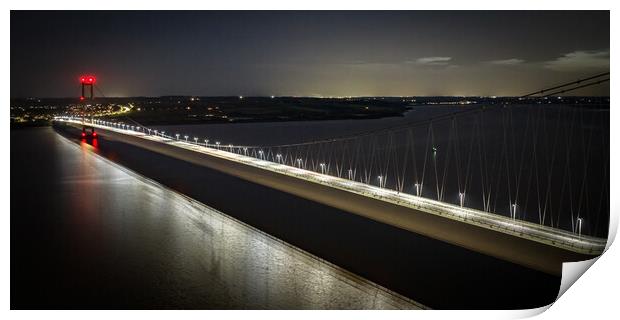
pixel 529 244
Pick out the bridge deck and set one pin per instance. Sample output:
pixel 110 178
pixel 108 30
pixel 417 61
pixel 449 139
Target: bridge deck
pixel 531 231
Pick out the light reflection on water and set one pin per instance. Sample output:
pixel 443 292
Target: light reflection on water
pixel 190 255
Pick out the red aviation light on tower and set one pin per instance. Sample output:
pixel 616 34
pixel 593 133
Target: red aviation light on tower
pixel 87 82
pixel 88 79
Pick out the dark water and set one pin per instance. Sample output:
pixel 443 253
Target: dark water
pixel 132 255
pixel 87 233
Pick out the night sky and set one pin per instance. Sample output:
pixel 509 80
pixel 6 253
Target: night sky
pixel 306 53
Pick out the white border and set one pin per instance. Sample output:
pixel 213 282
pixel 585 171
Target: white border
pixel 593 296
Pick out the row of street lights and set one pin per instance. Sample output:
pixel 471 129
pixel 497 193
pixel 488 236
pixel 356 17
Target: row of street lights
pixel 278 157
pixel 323 167
pixel 382 180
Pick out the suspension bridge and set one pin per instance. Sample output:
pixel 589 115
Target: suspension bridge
pixel 526 182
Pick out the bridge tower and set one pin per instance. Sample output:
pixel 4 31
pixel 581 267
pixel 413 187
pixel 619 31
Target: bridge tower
pixel 87 81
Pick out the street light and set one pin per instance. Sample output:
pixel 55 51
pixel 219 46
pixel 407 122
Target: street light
pixel 322 168
pixel 195 140
pixel 514 211
pixel 579 222
pixel 186 138
pixel 206 142
pixel 217 143
pixel 380 181
pixel 418 189
pixel 278 157
pixel 178 135
pixel 245 151
pixel 260 154
pixel 299 162
pixel 461 198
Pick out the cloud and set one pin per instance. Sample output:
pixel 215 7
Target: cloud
pixel 507 62
pixel 434 61
pixel 580 60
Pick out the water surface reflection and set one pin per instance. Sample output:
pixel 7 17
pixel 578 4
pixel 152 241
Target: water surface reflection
pixel 121 240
